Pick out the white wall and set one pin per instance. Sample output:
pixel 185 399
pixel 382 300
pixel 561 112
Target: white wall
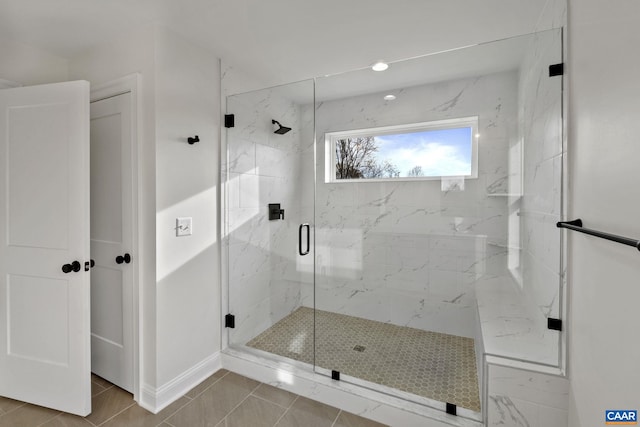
pixel 180 276
pixel 188 286
pixel 28 65
pixel 603 151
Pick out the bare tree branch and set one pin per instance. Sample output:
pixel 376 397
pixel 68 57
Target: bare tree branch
pixel 355 158
pixel 415 171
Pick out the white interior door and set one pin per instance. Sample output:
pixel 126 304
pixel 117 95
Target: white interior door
pixel 111 241
pixel 44 224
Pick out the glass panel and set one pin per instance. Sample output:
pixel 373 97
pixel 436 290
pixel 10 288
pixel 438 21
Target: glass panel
pixel 404 266
pixel 270 283
pixel 539 204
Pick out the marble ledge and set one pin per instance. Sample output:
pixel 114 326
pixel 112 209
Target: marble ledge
pixel 514 332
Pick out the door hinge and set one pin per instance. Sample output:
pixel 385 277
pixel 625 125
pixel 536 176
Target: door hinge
pixel 556 69
pixel 229 120
pixel 229 321
pixel 452 409
pixel 554 324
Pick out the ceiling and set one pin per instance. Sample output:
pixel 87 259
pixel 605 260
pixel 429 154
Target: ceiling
pixel 467 62
pixel 278 40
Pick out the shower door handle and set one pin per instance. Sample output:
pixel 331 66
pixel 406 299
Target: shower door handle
pixel 300 238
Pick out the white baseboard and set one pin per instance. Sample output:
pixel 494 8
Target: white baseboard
pixel 156 399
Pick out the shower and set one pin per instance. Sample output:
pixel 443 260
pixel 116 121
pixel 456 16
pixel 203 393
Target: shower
pixel 281 129
pixel 444 209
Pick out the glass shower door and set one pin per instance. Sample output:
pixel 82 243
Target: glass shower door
pixel 420 186
pixel 270 206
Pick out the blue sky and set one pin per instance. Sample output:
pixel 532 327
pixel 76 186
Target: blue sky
pixel 445 152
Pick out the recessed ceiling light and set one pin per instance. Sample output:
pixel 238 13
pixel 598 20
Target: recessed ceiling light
pixel 477 135
pixel 389 97
pixel 379 66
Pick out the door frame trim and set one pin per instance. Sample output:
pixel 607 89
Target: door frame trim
pixel 131 84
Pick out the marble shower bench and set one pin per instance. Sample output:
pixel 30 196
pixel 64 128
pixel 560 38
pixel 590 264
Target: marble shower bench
pixel 523 383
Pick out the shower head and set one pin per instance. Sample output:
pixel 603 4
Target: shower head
pixel 281 129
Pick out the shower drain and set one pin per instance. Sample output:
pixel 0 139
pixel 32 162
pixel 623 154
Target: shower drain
pixel 359 348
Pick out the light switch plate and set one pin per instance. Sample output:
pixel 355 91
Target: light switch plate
pixel 184 226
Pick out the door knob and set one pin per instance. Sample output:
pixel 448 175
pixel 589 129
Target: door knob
pixel 126 259
pixel 74 266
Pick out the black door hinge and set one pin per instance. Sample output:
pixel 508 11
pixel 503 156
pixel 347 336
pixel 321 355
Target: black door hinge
pixel 229 120
pixel 452 409
pixel 229 321
pixel 556 69
pixel 554 324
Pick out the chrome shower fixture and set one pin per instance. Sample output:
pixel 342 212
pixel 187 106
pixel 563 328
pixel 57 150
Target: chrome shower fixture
pixel 281 129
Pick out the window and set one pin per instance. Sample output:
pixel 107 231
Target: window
pixel 418 151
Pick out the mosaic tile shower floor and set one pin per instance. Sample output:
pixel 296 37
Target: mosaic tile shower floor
pixel 429 364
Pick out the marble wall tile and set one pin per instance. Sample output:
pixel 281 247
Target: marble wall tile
pixel 524 398
pixel 512 326
pixel 285 298
pixel 430 235
pixel 247 260
pixel 542 285
pixel 554 15
pixel 307 295
pixel 496 154
pixel 549 416
pixel 250 226
pixel 505 411
pixel 250 321
pixel 242 156
pixel 539 388
pixel 249 291
pixel 279 189
pixel 424 312
pixel 232 191
pixel 249 190
pixel 264 280
pixel 368 304
pixel 271 161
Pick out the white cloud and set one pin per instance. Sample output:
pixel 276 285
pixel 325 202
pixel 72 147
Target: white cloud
pixel 436 158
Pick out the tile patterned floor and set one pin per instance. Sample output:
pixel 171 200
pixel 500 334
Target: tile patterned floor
pixel 429 364
pixel 223 400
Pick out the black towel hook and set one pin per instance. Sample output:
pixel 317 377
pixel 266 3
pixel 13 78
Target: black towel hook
pixel 193 140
